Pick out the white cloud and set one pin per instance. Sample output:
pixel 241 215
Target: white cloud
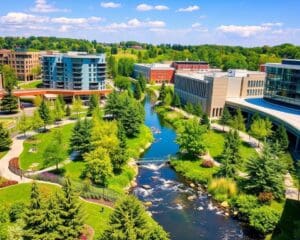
pixel 110 5
pixel 64 20
pixel 41 6
pixel 243 31
pixel 146 7
pixel 195 25
pixel 22 18
pixel 189 9
pixel 156 24
pixel 272 24
pixel 133 24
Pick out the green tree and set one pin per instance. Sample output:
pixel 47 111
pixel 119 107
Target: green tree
pixel 157 233
pixel 143 82
pixel 71 213
pixel 98 166
pixel 265 174
pixel 205 121
pixel 261 128
pixel 68 111
pixel 198 110
pixel 44 112
pixel 24 123
pixel 36 71
pixel 36 121
pixel 231 157
pixel 9 103
pixel 58 111
pixel 125 66
pixel 162 93
pixel 137 91
pixel 226 117
pixel 281 135
pixel 122 83
pixel 53 154
pixel 238 121
pixel 176 101
pixel 93 104
pixel 9 77
pixel 190 139
pixel 168 98
pixel 264 219
pixel 37 101
pixel 5 140
pixel 33 216
pixel 189 108
pixel 81 137
pixel 128 221
pixel 77 106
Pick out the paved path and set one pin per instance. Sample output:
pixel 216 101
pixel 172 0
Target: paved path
pixel 15 151
pixel 291 191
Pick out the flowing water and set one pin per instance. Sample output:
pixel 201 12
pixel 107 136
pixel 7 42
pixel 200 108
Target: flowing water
pixel 168 192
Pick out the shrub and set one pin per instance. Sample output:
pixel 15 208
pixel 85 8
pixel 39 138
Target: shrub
pixel 16 211
pixel 207 164
pixel 6 183
pixel 265 197
pixel 222 188
pixel 244 204
pixel 264 219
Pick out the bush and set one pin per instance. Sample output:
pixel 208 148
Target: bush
pixel 207 164
pixel 16 211
pixel 5 183
pixel 222 189
pixel 265 197
pixel 244 204
pixel 264 219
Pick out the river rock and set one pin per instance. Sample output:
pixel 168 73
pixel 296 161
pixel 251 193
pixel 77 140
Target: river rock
pixel 154 177
pixel 133 184
pixel 192 185
pixel 225 204
pixel 235 213
pixel 148 204
pixel 146 186
pixel 191 198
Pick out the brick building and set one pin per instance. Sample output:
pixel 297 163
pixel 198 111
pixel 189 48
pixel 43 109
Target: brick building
pixel 190 65
pixel 22 61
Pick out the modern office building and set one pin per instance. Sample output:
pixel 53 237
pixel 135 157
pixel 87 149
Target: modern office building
pixel 156 72
pixel 210 89
pixel 74 71
pixel 190 65
pixel 283 82
pixel 22 61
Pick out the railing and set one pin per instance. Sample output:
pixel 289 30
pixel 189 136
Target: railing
pixel 85 190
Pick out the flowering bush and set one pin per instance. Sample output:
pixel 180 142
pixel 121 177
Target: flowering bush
pixel 207 164
pixel 5 183
pixel 265 197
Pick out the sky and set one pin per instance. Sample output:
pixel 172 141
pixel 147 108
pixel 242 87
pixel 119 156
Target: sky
pixel 224 22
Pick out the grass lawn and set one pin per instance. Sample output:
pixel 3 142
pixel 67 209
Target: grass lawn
pixel 31 84
pixel 28 159
pixel 2 154
pixel 135 145
pixel 192 170
pixel 21 193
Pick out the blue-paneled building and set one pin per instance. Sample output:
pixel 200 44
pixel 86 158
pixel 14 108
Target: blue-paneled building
pixel 74 71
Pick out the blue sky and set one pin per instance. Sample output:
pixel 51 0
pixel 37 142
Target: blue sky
pixel 230 22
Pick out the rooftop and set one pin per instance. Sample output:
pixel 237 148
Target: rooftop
pixel 192 62
pixel 73 55
pixel 156 65
pixel 286 115
pixel 286 63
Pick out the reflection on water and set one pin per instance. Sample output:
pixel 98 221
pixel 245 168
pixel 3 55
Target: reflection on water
pixel 186 213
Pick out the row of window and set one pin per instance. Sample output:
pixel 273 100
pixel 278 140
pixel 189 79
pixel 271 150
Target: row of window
pixel 255 83
pixel 217 112
pixel 254 92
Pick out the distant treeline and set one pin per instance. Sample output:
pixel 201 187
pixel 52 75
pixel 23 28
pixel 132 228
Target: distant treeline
pixel 224 57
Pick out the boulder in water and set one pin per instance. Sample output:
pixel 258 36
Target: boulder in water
pixel 191 198
pixel 192 185
pixel 146 186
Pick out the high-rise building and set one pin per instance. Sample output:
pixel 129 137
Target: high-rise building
pixel 74 71
pixel 22 61
pixel 283 82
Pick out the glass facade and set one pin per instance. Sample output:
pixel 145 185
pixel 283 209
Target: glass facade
pixel 283 84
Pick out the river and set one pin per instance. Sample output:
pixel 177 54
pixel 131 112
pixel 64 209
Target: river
pixel 182 218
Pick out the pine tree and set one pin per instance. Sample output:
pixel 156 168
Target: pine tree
pixel 58 110
pixel 93 104
pixel 205 121
pixel 176 101
pixel 231 157
pixel 122 136
pixel 189 108
pixel 68 111
pixel 281 135
pixel 226 117
pixel 71 213
pixel 162 93
pixel 5 140
pixel 157 233
pixel 9 103
pixel 137 91
pixel 33 216
pixel 238 121
pixel 265 174
pixel 36 121
pixel 143 83
pixel 24 123
pixel 198 110
pixel 60 98
pixel 128 221
pixel 77 106
pixel 44 112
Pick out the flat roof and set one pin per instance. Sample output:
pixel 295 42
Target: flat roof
pixel 192 62
pixel 286 115
pixel 73 55
pixel 280 65
pixel 157 66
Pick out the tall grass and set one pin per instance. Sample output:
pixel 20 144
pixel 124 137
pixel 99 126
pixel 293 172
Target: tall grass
pixel 222 189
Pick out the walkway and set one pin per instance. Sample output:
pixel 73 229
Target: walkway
pixel 291 192
pixel 15 151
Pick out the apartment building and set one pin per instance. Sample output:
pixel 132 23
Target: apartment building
pixel 212 88
pixel 74 71
pixel 22 61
